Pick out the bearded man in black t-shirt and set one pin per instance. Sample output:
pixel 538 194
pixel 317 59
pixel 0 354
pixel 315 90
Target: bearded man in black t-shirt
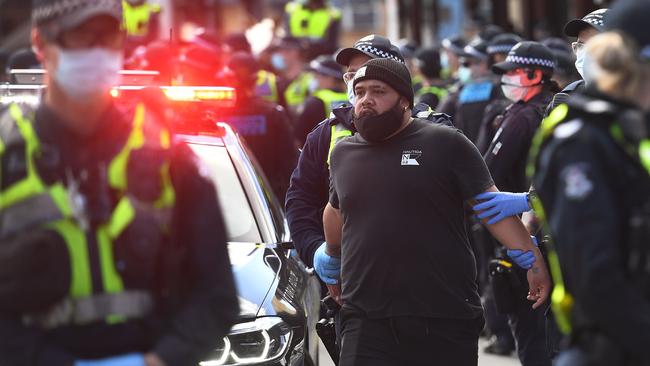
pixel 396 221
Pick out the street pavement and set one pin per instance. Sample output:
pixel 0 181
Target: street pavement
pixel 483 359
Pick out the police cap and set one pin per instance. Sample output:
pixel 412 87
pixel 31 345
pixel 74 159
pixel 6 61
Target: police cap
pixel 62 15
pixel 373 46
pixel 595 19
pixel 527 55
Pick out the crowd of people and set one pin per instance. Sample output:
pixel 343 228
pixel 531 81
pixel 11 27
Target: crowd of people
pixel 405 172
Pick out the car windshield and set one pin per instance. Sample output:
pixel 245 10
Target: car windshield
pixel 240 221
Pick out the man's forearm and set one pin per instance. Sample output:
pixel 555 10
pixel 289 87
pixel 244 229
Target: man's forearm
pixel 333 226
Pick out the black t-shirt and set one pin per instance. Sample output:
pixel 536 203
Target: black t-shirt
pixel 405 250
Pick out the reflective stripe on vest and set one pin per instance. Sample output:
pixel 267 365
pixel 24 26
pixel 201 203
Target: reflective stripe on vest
pixel 27 194
pixel 266 86
pixel 331 99
pixel 298 90
pixel 136 18
pixel 339 132
pixel 306 23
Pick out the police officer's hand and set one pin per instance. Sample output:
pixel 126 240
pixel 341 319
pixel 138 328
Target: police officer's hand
pixel 539 281
pixel 326 266
pixel 499 205
pixel 523 259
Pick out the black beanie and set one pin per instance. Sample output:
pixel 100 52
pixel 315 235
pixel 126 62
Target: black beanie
pixel 390 72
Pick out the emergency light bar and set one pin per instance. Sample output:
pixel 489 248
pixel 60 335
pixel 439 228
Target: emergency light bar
pixel 221 95
pixel 127 77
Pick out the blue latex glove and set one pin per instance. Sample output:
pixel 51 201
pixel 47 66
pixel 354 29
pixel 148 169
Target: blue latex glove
pixel 130 359
pixel 523 259
pixel 499 205
pixel 327 267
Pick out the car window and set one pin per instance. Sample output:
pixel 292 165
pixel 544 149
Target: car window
pixel 240 221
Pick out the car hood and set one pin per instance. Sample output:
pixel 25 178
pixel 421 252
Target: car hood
pixel 255 268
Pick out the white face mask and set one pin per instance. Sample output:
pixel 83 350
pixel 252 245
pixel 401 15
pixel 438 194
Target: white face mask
pixel 512 89
pixel 590 69
pixel 580 62
pixel 464 74
pixel 88 72
pixel 351 97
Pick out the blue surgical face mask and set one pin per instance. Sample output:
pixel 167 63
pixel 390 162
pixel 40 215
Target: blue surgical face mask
pixel 464 74
pixel 351 97
pixel 580 62
pixel 87 72
pixel 278 62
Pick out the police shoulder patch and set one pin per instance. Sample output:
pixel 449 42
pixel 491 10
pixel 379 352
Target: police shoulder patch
pixel 577 185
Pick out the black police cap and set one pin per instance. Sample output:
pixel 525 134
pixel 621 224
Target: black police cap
pixel 595 19
pixel 326 65
pixel 373 46
pixel 62 15
pixel 503 43
pixel 527 55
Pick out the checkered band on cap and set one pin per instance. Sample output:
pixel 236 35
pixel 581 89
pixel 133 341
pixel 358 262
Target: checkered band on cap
pixel 501 48
pixel 596 17
pixel 54 9
pixel 377 52
pixel 531 61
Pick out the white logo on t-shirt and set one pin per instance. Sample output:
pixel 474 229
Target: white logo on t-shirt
pixel 411 157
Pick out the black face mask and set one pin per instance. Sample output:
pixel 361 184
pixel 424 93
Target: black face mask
pixel 376 128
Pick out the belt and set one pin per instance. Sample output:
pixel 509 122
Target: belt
pixel 95 308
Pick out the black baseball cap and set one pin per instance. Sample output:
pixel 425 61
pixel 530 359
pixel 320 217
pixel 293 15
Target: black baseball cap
pixel 61 15
pixel 595 19
pixel 326 65
pixel 529 55
pixel 632 18
pixel 373 46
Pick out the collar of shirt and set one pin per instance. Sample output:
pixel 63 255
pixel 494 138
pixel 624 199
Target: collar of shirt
pixel 343 115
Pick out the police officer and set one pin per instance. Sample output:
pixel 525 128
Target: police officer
pixel 329 94
pixel 113 245
pixel 592 174
pixel 497 50
pixel 452 50
pixel 565 70
pixel 295 81
pixel 315 21
pixel 141 22
pixel 265 126
pixel 426 62
pixel 526 81
pixel 583 29
pixel 467 105
pixel 308 190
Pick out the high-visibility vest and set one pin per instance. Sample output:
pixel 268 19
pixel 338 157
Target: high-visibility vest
pixel 331 99
pixel 266 86
pixel 49 206
pixel 307 23
pixel 339 132
pixel 136 18
pixel 561 300
pixel 437 91
pixel 298 90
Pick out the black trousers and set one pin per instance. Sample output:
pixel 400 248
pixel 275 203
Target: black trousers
pixel 410 341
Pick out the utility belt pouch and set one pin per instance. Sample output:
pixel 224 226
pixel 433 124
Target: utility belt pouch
pixel 505 284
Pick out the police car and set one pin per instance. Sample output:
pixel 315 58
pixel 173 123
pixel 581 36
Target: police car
pixel 278 296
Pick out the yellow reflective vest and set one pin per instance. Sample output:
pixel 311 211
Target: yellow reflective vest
pixel 266 86
pixel 51 206
pixel 331 99
pixel 307 23
pixel 136 18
